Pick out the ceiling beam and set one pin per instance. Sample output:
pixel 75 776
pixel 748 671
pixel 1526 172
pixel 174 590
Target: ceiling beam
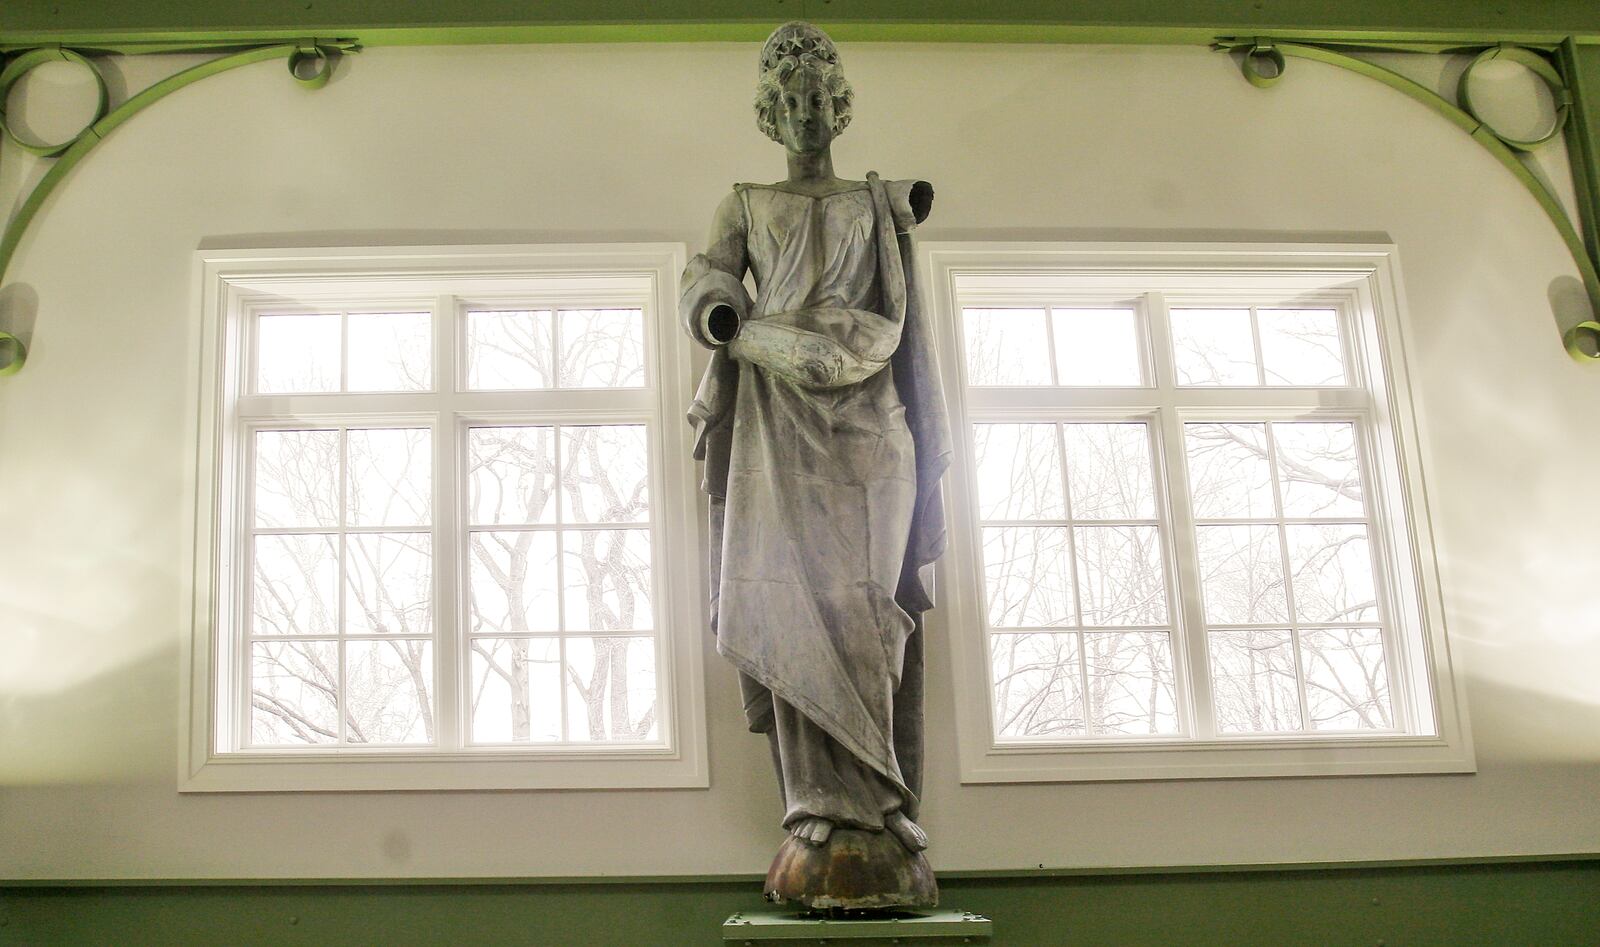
pixel 387 22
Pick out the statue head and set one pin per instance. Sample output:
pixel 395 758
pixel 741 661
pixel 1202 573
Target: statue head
pixel 802 97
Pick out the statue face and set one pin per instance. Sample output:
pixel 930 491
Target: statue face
pixel 805 114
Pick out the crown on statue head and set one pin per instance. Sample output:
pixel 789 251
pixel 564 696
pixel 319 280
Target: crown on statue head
pixel 798 39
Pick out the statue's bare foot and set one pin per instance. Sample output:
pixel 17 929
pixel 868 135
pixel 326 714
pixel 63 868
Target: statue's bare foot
pixel 909 833
pixel 812 829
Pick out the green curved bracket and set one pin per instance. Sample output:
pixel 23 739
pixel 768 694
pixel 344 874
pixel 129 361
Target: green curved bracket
pixel 1264 63
pixel 310 62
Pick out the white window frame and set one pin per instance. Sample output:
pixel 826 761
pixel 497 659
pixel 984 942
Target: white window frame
pixel 1362 280
pixel 232 284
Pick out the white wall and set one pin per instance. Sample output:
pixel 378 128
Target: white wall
pixel 594 143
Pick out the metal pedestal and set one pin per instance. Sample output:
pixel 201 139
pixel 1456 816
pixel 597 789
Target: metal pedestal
pixel 941 927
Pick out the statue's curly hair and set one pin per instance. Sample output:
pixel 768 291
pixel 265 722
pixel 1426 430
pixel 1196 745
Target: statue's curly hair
pixel 769 90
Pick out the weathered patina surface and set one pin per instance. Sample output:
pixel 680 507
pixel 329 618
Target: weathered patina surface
pixel 822 426
pixel 855 870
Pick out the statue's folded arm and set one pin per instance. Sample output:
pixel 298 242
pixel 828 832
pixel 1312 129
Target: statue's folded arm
pixel 910 202
pixel 714 302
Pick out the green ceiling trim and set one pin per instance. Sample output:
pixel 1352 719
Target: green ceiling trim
pixel 384 22
pixel 12 354
pixel 1264 63
pixel 844 31
pixel 1581 67
pixel 21 66
pixel 310 63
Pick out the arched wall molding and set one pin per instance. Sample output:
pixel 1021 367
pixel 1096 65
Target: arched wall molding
pixel 1264 62
pixel 310 63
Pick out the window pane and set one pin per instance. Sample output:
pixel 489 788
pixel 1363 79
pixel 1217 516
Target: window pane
pixel 1253 681
pixel 1018 471
pixel 297 478
pixel 391 477
pixel 1097 347
pixel 512 475
pixel 602 348
pixel 1318 470
pixel 1229 477
pixel 1007 347
pixel 294 688
pixel 605 474
pixel 1120 576
pixel 507 350
pixel 1037 690
pixel 511 578
pixel 297 353
pixel 1213 347
pixel 1108 471
pixel 1241 574
pixel 1332 569
pixel 389 586
pixel 1027 576
pixel 1131 683
pixel 516 690
pixel 1347 683
pixel 296 590
pixel 390 697
pixel 607 579
pixel 611 689
pixel 390 351
pixel 1301 346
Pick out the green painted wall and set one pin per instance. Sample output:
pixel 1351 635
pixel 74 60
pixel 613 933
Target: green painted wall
pixel 1544 903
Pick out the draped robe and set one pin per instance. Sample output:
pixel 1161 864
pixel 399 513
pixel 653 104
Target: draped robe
pixel 823 433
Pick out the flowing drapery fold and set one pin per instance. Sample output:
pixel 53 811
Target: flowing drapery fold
pixel 824 436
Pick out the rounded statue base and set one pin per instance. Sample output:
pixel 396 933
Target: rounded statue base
pixel 854 870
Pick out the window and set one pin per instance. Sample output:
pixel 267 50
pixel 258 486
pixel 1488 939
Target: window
pixel 445 527
pixel 1190 531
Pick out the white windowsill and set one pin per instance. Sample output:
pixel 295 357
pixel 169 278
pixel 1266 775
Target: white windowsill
pixel 1392 755
pixel 370 770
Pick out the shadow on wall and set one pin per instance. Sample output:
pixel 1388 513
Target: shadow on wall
pixel 1539 729
pixel 1569 304
pixel 116 727
pixel 19 311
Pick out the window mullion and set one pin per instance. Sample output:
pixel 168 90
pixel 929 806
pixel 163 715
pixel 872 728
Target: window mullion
pixel 327 408
pixel 1075 577
pixel 1288 579
pixel 1403 705
pixel 1159 319
pixel 341 694
pixel 344 350
pixel 242 616
pixel 1050 345
pixel 561 582
pixel 1189 628
pixel 448 563
pixel 1083 678
pixel 1255 342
